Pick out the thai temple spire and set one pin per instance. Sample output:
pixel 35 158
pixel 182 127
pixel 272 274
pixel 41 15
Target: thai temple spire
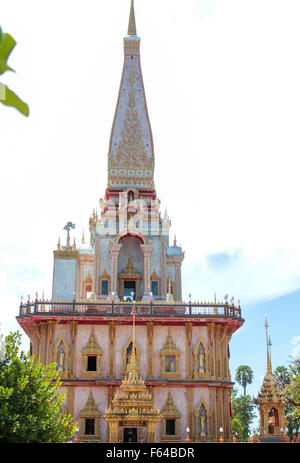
pixel 132 25
pixel 270 401
pixel 268 342
pixel 131 151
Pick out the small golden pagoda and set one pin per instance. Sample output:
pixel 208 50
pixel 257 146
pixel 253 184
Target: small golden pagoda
pixel 270 401
pixel 132 417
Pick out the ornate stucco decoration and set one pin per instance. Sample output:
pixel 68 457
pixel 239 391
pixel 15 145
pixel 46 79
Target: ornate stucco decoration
pixel 132 406
pixel 92 349
pixel 170 359
pixel 170 412
pixel 90 412
pixel 131 157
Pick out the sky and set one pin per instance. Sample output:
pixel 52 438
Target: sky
pixel 223 94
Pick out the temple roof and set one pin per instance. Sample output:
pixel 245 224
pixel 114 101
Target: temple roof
pixel 270 390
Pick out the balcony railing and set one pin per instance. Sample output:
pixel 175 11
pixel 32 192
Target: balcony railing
pixel 99 308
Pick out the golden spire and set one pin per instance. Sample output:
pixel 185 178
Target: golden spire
pixel 83 238
pixel 268 341
pixel 131 25
pixel 132 364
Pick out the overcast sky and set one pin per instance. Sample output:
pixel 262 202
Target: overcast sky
pixel 222 86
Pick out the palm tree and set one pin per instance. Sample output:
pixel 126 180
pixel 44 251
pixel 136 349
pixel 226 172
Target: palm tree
pixel 244 376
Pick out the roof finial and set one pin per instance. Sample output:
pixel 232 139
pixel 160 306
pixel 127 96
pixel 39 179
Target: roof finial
pixel 269 366
pixel 131 25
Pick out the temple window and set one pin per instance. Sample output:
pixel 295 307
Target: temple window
pixel 91 358
pixel 170 431
pixel 155 284
pixel 170 427
pixel 170 359
pixel 154 288
pixel 170 363
pixel 104 283
pixel 89 427
pixel 92 363
pixel 89 420
pixel 104 287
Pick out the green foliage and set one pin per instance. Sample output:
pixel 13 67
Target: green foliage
pixel 292 390
pixel 30 404
pixel 289 380
pixel 244 376
pixel 243 415
pixel 283 375
pixel 7 96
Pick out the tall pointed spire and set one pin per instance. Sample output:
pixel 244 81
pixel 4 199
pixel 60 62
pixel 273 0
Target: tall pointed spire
pixel 132 25
pixel 131 150
pixel 268 342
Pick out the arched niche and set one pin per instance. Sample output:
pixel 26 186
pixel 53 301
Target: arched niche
pixel 61 356
pixel 201 360
pixel 202 417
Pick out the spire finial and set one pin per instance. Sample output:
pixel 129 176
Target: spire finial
pixel 132 364
pixel 131 25
pixel 269 366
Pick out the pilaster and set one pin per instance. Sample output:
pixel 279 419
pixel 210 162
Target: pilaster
pixel 111 349
pixel 189 348
pixel 150 327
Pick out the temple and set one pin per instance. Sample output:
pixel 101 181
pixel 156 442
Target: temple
pixel 271 402
pixel 136 361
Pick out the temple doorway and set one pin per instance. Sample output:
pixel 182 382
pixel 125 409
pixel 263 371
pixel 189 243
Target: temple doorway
pixel 130 435
pixel 129 290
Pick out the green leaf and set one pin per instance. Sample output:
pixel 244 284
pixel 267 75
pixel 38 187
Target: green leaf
pixel 7 44
pixel 9 98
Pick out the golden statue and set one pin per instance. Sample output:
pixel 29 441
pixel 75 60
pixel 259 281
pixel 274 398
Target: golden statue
pixel 202 424
pixel 201 362
pixel 61 361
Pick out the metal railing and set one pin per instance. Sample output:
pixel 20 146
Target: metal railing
pixel 94 308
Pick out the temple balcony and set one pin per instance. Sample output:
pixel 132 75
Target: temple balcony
pixel 88 308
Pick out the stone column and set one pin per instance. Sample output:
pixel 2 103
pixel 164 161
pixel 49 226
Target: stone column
pixel 114 250
pixel 147 250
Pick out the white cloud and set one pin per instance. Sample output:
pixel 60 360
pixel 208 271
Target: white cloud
pixel 223 98
pixel 239 274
